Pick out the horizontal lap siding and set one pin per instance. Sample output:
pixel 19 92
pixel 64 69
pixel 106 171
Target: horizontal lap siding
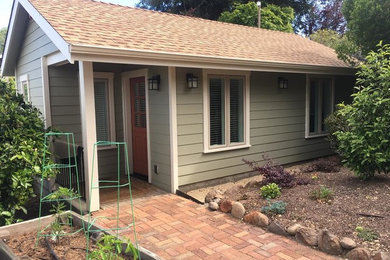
pixel 159 130
pixel 277 127
pixel 35 45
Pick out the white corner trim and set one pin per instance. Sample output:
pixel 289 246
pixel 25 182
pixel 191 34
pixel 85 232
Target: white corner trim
pixel 109 76
pixel 206 73
pixel 53 35
pixel 46 92
pixel 173 128
pixel 126 108
pixel 23 77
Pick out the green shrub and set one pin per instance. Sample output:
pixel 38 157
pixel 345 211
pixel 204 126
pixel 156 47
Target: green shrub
pixel 335 122
pixel 322 194
pixel 21 146
pixel 270 191
pixel 366 234
pixel 110 247
pixel 364 143
pixel 277 207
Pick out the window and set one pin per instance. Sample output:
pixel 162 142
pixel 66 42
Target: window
pixel 319 104
pixel 24 87
pixel 226 112
pixel 104 106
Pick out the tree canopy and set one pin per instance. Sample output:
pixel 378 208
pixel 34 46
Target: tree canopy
pixel 3 34
pixel 368 22
pixel 273 17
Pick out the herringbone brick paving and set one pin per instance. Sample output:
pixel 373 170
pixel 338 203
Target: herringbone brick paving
pixel 176 228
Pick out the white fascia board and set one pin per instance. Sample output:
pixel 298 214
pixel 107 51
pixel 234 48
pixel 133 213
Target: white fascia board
pixel 53 35
pixel 144 57
pixel 15 7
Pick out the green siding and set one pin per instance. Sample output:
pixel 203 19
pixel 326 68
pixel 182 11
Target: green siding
pixel 159 130
pixel 277 127
pixel 35 45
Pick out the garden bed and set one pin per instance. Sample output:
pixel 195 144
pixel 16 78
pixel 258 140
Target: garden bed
pixel 354 204
pixel 17 241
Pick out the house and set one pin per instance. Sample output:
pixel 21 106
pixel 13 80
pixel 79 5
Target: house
pixel 191 97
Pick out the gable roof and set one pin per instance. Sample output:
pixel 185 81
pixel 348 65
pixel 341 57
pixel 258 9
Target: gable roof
pixel 90 24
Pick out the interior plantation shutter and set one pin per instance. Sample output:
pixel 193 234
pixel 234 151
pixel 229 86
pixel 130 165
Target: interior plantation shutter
pixel 236 111
pixel 101 110
pixel 217 111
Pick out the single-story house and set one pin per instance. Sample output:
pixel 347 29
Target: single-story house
pixel 191 97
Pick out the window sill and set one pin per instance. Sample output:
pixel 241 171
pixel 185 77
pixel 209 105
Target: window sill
pixel 230 148
pixel 316 136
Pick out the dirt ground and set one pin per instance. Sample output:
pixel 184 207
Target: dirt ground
pixel 352 199
pixel 69 247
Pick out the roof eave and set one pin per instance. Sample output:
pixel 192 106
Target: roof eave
pixel 146 57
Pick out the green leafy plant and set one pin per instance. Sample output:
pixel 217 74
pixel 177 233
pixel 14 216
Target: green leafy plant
pixel 109 247
pixel 270 191
pixel 366 234
pixel 62 192
pixel 21 146
pixel 364 143
pixel 276 207
pixel 56 226
pixel 322 194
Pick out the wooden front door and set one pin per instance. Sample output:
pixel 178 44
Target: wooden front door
pixel 138 125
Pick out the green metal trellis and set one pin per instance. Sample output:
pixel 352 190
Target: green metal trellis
pixel 47 169
pixel 116 184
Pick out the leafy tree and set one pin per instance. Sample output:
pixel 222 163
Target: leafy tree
pixel 323 15
pixel 272 17
pixel 345 48
pixel 363 142
pixel 368 22
pixel 21 147
pixel 213 9
pixel 3 33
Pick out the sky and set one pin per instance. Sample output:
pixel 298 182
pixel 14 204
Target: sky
pixel 6 6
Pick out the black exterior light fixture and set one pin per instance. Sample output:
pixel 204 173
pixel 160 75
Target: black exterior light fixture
pixel 192 81
pixel 154 83
pixel 283 83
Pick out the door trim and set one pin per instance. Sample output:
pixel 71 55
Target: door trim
pixel 126 108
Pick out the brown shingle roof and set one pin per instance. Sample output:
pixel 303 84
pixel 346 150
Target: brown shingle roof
pixel 87 22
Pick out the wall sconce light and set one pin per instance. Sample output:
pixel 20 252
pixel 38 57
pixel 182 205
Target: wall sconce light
pixel 192 81
pixel 154 83
pixel 283 83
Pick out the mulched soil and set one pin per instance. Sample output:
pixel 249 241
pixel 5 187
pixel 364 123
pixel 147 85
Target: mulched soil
pixel 340 216
pixel 69 247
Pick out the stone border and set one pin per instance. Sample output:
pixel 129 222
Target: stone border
pixel 322 240
pixel 31 226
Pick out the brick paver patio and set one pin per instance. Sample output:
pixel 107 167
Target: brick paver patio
pixel 176 228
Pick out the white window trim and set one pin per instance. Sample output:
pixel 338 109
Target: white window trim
pixel 24 78
pixel 307 116
pixel 109 76
pixel 206 111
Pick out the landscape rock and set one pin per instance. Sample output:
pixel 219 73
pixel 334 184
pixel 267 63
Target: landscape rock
pixel 226 206
pixel 213 205
pixel 292 230
pixel 276 228
pixel 232 191
pixel 213 194
pixel 329 243
pixel 347 243
pixel 381 256
pixel 238 210
pixel 217 200
pixel 251 184
pixel 358 254
pixel 307 236
pixel 256 218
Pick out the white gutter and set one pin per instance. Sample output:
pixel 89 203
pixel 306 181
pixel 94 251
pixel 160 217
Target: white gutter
pixel 146 57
